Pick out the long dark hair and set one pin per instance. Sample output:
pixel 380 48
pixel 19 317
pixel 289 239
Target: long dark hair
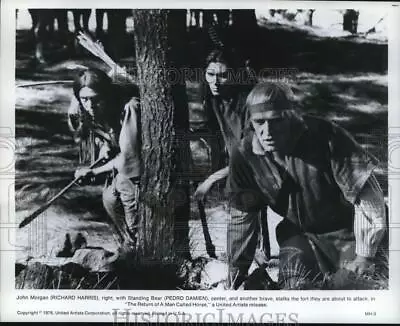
pixel 237 66
pixel 95 79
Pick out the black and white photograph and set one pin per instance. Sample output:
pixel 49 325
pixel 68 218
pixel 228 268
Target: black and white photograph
pixel 201 149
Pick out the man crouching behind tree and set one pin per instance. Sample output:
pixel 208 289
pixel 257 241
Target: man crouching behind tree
pixel 100 110
pixel 314 174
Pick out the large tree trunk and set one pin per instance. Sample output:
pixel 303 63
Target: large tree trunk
pixel 164 194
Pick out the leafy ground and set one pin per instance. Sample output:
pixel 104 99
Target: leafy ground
pixel 355 96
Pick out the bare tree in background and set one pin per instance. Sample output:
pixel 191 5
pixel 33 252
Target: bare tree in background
pixel 309 20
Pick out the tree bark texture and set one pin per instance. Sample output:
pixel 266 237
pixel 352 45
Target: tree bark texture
pixel 164 195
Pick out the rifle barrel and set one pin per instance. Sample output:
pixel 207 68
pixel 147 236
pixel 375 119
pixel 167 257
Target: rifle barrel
pixel 42 208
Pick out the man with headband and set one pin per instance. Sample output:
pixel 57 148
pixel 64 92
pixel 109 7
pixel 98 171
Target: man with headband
pixel 312 173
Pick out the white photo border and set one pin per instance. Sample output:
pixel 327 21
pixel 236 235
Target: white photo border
pixel 386 303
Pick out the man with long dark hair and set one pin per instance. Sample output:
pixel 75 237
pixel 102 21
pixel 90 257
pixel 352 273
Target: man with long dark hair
pixel 100 110
pixel 227 83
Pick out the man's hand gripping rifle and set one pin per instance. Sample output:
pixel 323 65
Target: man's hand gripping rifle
pixel 45 206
